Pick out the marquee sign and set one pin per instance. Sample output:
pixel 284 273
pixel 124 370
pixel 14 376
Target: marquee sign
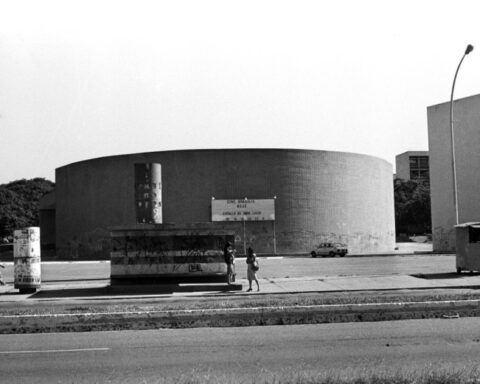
pixel 243 210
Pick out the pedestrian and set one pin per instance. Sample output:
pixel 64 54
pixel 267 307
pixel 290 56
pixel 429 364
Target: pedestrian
pixel 229 255
pixel 252 268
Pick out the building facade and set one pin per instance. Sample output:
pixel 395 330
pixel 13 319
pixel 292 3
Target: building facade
pixel 319 196
pixel 413 165
pixel 467 161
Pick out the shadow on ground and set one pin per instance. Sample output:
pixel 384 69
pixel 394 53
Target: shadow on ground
pixel 450 275
pixel 116 290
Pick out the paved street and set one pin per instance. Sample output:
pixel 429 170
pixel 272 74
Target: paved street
pixel 242 353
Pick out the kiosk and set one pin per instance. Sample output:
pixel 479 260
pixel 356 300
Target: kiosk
pixel 468 247
pixel 152 253
pixel 26 254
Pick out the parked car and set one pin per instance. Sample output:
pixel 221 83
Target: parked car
pixel 330 249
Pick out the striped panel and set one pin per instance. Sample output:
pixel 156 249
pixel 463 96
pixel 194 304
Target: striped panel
pixel 196 269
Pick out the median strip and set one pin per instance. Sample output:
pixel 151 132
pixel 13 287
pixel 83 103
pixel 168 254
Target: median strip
pixel 236 316
pixel 439 303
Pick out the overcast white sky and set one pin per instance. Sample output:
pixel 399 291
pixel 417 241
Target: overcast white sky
pixel 87 79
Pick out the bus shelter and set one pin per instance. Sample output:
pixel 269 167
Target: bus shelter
pixel 150 253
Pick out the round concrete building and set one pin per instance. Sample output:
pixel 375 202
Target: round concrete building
pixel 319 196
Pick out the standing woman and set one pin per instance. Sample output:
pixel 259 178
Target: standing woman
pixel 252 268
pixel 229 255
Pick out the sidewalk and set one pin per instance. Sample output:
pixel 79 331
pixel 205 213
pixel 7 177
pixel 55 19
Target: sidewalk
pixel 101 289
pixel 368 283
pixel 92 289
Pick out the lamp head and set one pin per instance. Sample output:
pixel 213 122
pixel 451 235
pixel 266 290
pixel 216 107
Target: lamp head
pixel 469 49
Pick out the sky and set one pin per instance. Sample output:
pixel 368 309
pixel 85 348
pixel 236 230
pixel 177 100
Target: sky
pixel 86 79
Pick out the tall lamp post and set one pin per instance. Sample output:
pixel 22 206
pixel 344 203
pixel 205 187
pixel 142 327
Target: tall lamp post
pixel 452 135
pixel 274 235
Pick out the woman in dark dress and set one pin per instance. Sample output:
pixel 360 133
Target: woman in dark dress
pixel 252 268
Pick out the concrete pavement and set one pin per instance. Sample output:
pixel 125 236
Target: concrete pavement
pixel 95 289
pixel 100 288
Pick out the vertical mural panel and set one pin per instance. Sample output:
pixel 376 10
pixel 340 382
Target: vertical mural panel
pixel 148 193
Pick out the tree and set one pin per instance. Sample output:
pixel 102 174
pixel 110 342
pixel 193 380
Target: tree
pixel 20 203
pixel 412 206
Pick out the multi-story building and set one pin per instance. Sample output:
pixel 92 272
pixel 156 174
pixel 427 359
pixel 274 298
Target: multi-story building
pixel 413 165
pixel 467 161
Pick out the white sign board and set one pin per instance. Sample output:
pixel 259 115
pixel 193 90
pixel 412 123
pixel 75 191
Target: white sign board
pixel 243 210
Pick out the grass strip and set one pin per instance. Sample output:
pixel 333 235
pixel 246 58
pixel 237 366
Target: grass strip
pixel 254 301
pixel 427 375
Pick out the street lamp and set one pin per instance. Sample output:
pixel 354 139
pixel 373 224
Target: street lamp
pixel 274 235
pixel 244 234
pixel 452 136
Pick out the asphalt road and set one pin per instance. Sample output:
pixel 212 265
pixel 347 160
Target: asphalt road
pixel 215 354
pixel 278 267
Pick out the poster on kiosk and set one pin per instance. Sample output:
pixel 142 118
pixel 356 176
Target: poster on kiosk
pixel 26 255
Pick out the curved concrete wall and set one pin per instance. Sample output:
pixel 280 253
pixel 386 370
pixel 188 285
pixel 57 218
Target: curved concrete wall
pixel 321 196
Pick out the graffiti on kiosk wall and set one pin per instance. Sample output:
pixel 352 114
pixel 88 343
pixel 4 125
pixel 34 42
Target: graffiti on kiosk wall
pixel 168 254
pixel 186 245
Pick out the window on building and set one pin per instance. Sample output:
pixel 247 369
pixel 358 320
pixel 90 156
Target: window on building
pixel 474 235
pixel 419 168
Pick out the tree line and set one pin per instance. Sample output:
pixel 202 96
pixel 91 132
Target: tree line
pixel 20 204
pixel 412 207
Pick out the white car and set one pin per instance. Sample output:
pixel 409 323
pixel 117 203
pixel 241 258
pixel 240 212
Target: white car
pixel 330 249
